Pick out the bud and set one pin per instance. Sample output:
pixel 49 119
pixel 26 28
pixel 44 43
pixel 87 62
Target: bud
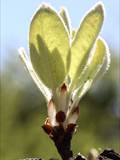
pixel 60 117
pixel 47 126
pixel 52 112
pixel 73 115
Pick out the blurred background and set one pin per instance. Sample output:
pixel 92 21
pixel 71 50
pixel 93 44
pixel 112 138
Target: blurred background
pixel 23 108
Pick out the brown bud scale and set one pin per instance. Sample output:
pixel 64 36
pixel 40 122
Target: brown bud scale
pixel 60 117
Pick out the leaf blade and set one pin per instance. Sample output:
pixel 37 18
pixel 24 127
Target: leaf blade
pixel 84 40
pixel 93 67
pixel 48 53
pixel 45 91
pixel 65 17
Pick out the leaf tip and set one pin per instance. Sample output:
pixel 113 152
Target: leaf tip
pixel 108 56
pixel 65 17
pixel 99 7
pixel 45 6
pixel 42 7
pixel 63 10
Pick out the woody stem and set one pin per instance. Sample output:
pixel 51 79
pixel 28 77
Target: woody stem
pixel 62 141
pixel 61 138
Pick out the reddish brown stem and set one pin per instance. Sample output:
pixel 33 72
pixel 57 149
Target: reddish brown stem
pixel 61 138
pixel 62 141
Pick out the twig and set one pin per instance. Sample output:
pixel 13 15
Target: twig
pixel 109 153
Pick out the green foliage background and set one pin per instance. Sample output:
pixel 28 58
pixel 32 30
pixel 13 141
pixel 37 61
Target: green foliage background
pixel 23 111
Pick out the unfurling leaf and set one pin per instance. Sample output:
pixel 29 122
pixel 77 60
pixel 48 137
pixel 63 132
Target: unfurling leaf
pixel 84 40
pixel 49 46
pixel 93 66
pixel 64 15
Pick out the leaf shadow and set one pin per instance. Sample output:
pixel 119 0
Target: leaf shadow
pixel 48 64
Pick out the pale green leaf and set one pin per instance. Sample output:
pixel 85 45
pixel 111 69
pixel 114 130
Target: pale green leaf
pixel 93 67
pixel 84 41
pixel 64 15
pixel 73 33
pixel 45 91
pixel 96 60
pixel 49 46
pixel 106 63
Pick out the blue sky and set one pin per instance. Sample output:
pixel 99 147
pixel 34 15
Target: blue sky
pixel 16 15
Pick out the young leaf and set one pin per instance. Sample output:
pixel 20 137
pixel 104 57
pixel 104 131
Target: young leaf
pixel 93 67
pixel 73 33
pixel 64 15
pixel 49 46
pixel 84 40
pixel 45 91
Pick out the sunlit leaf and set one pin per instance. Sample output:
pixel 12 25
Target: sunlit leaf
pixel 84 40
pixel 45 91
pixel 93 67
pixel 64 15
pixel 73 33
pixel 49 46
